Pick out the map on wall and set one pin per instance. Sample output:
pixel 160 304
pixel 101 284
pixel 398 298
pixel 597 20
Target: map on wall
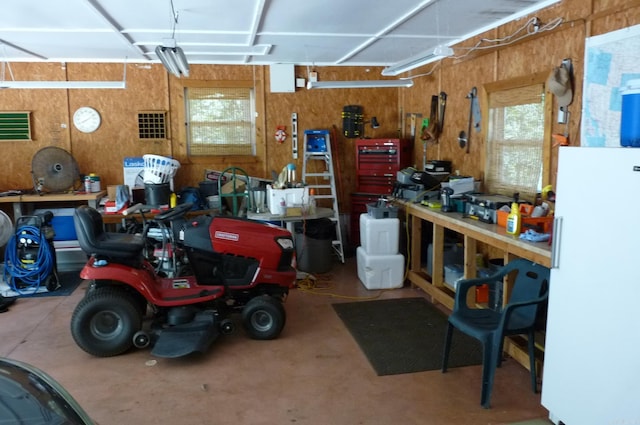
pixel 611 61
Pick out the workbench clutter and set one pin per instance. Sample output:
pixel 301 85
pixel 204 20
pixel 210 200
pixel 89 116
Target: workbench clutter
pixel 288 197
pixel 535 222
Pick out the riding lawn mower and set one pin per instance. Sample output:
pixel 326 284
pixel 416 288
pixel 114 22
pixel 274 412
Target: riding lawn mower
pixel 174 285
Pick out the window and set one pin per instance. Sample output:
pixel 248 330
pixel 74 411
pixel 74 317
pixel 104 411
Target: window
pixel 220 121
pixel 517 149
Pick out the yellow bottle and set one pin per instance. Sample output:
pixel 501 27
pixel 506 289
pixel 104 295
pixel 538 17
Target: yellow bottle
pixel 173 200
pixel 514 220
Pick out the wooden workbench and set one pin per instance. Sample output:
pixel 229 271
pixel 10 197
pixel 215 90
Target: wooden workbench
pixel 473 232
pixel 25 203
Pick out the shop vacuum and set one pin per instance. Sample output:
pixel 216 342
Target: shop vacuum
pixel 30 256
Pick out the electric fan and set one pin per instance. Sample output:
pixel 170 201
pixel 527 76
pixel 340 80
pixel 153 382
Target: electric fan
pixel 6 228
pixel 54 170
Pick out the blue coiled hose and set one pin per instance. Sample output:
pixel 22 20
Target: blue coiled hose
pixel 30 275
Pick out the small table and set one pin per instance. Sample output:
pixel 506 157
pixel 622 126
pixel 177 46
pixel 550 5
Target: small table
pixel 92 199
pixel 289 221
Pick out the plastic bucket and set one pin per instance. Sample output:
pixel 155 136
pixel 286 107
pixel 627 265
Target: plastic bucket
pixel 157 194
pixel 630 119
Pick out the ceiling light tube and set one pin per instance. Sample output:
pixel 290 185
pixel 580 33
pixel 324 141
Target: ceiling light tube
pixel 62 85
pixel 439 52
pixel 174 60
pixel 358 84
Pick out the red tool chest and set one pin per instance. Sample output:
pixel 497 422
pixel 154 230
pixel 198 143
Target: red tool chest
pixel 378 160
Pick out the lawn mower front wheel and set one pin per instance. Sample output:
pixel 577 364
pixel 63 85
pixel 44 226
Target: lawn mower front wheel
pixel 105 320
pixel 263 317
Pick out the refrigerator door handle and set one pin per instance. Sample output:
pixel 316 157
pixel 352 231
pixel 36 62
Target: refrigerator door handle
pixel 555 243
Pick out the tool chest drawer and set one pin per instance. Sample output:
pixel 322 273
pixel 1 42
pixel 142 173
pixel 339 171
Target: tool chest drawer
pixel 383 155
pixel 376 183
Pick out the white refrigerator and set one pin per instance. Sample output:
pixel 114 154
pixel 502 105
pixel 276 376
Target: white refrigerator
pixel 592 348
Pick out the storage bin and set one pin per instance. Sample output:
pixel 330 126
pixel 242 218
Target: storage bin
pixel 382 210
pixel 380 271
pixel 539 224
pixel 293 197
pixel 452 274
pixel 379 236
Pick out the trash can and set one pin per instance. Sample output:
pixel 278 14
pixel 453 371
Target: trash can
pixel 314 251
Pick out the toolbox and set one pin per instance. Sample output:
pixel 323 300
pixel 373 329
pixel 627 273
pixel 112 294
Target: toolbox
pixel 485 207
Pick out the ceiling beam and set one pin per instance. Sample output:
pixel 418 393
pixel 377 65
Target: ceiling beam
pixel 16 47
pixel 115 26
pixel 402 19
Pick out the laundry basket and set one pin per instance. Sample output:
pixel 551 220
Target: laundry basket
pixel 159 169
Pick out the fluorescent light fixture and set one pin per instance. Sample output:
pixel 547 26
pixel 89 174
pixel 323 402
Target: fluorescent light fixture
pixel 63 85
pixel 173 58
pixel 437 53
pixel 358 84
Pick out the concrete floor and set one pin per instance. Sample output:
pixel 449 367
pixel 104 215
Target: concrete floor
pixel 313 374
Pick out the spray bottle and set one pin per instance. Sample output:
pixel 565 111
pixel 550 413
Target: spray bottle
pixel 514 220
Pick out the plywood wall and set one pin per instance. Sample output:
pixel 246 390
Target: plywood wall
pixel 150 88
pixel 538 53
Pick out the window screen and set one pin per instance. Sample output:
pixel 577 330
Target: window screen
pixel 515 142
pixel 220 120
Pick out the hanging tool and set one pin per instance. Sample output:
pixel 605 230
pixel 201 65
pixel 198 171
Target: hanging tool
pixel 432 131
pixel 413 116
pixel 563 139
pixel 443 104
pixel 464 139
pixel 294 135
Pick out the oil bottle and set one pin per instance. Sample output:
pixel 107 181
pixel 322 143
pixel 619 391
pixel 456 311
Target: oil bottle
pixel 514 220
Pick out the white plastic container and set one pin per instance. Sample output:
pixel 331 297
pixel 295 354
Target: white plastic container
pixel 380 271
pixel 379 236
pixel 293 197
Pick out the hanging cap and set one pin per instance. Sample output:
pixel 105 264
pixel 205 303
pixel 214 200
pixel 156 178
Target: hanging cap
pixel 559 83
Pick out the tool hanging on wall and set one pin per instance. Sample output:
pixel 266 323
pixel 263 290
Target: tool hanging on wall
pixel 442 106
pixel 413 116
pixel 294 135
pixel 464 139
pixel 562 139
pixel 431 132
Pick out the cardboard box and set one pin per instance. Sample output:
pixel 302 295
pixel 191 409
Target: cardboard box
pixel 110 207
pixel 133 168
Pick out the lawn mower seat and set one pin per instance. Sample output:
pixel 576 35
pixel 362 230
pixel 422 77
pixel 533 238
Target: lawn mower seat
pixel 95 241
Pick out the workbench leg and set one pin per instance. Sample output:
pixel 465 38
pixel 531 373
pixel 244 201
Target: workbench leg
pixel 470 269
pixel 437 271
pixel 416 244
pixel 17 210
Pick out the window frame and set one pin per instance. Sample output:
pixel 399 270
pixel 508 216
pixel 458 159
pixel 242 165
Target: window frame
pixel 514 83
pixel 255 110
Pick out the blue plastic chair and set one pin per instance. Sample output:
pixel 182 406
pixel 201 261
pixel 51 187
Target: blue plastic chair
pixel 530 290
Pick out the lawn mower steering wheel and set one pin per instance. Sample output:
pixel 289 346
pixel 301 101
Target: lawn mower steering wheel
pixel 174 212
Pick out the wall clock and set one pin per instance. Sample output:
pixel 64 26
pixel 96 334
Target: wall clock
pixel 86 119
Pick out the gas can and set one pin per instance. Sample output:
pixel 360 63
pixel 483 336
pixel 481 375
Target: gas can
pixel 630 117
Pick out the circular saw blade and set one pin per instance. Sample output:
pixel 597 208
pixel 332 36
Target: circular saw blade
pixel 54 169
